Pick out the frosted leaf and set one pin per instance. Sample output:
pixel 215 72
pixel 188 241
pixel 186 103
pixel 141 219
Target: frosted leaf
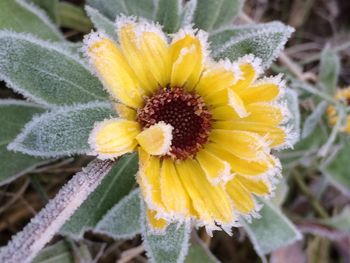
pixel 210 14
pixel 49 6
pixel 329 70
pixel 170 246
pixel 64 131
pixel 21 16
pixel 123 220
pixel 313 119
pixel 272 231
pixel 114 8
pixel 57 253
pixel 114 187
pixel 340 221
pixel 14 115
pixel 337 168
pixel 46 73
pixel 188 12
pixel 168 15
pixel 265 41
pixel 101 23
pixel 25 245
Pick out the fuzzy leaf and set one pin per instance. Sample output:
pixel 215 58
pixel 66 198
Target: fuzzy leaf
pixel 20 16
pixel 207 12
pixel 170 246
pixel 340 221
pixel 337 169
pixel 114 187
pixel 329 70
pixel 198 254
pixel 101 22
pixel 114 8
pixel 57 253
pixel 49 6
pixel 272 231
pixel 64 131
pixel 265 41
pixel 168 14
pixel 123 220
pixel 228 11
pixel 188 12
pixel 291 98
pixel 46 73
pixel 72 16
pixel 14 114
pixel 313 119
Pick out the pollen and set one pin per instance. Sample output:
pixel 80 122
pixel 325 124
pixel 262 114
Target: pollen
pixel 186 112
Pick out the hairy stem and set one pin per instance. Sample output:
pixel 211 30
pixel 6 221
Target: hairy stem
pixel 26 244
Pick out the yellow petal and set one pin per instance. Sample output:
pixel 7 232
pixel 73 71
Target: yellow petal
pixel 187 58
pixel 245 145
pixel 240 166
pixel 221 75
pixel 277 136
pixel 227 97
pixel 158 225
pixel 224 113
pixel 125 112
pixel 149 180
pixel 258 187
pixel 174 196
pixel 216 170
pixel 265 90
pixel 250 68
pixel 114 71
pixel 264 113
pixel 114 137
pixel 241 198
pixel 211 202
pixel 156 140
pixel 130 46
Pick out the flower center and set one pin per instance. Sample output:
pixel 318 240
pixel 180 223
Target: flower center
pixel 186 112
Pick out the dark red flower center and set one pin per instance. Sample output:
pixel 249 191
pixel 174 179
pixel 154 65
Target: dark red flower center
pixel 186 112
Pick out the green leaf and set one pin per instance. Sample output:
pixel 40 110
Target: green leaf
pixel 101 22
pixel 71 16
pixel 49 6
pixel 46 73
pixel 340 221
pixel 116 184
pixel 313 119
pixel 14 114
pixel 123 220
pixel 57 253
pixel 170 246
pixel 188 12
pixel 292 101
pixel 114 8
pixel 272 231
pixel 168 15
pixel 210 15
pixel 265 41
pixel 337 170
pixel 198 254
pixel 64 131
pixel 329 70
pixel 20 16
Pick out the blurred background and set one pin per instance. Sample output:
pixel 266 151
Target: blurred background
pixel 318 23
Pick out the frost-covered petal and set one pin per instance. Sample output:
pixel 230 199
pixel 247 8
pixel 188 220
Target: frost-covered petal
pixel 113 138
pixel 188 53
pixel 216 170
pixel 242 200
pixel 113 69
pixel 156 140
pixel 256 186
pixel 157 225
pixel 125 112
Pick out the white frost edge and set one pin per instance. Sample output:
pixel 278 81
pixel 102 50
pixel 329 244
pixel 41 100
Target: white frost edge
pixel 42 16
pixel 113 210
pixel 16 144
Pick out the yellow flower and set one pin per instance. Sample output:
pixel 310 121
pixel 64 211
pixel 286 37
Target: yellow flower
pixel 344 96
pixel 204 130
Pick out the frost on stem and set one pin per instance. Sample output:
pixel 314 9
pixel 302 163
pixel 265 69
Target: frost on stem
pixel 26 244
